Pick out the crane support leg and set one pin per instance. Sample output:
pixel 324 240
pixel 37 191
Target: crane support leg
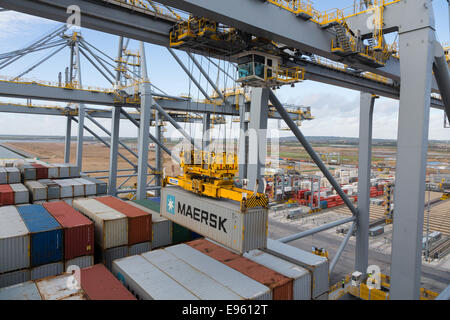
pixel 416 49
pixel 365 156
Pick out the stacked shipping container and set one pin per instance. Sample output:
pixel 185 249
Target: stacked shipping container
pixel 281 286
pixel 78 233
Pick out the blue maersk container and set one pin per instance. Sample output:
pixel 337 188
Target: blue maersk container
pixel 46 235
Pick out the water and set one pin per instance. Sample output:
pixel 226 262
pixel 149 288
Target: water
pixel 7 154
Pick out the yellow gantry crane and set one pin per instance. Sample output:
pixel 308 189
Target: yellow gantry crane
pixel 210 174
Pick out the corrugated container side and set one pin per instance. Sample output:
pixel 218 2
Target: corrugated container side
pixel 66 190
pixel 147 282
pixel 38 191
pixel 90 187
pixel 240 284
pixel 139 221
pixel 3 176
pixel 111 226
pixel 220 220
pixel 41 171
pixel 81 262
pixel 139 248
pixel 318 266
pixel 22 291
pixel 101 186
pixel 14 277
pixel 78 188
pixel 6 195
pixel 46 235
pixel 14 241
pixel 192 279
pixel 300 276
pixel 281 286
pixel 109 255
pixel 21 193
pixel 53 189
pixel 13 175
pixel 47 270
pixel 78 230
pixel 99 284
pixel 161 227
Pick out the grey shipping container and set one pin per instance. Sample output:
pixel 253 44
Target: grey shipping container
pixel 3 176
pixel 38 191
pixel 376 231
pixel 13 175
pixel 66 190
pixel 101 186
pixel 192 279
pixel 318 266
pixel 53 189
pixel 161 227
pixel 220 220
pixel 301 277
pixel 21 193
pixel 90 187
pixel 14 241
pixel 139 248
pixel 14 277
pixel 81 262
pixel 22 291
pixel 237 282
pixel 109 255
pixel 147 282
pixel 47 270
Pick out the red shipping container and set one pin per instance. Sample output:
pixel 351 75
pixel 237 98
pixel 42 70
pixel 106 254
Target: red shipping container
pixel 78 230
pixel 139 221
pixel 281 286
pixel 100 284
pixel 6 195
pixel 41 171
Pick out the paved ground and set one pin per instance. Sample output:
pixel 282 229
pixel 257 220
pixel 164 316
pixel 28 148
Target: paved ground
pixel 435 276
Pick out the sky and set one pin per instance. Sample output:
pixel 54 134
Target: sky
pixel 336 110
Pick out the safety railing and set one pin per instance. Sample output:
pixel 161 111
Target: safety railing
pixel 150 7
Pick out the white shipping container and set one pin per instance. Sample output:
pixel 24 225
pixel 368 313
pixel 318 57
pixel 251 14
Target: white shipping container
pixel 47 270
pixel 161 227
pixel 63 170
pixel 317 265
pixel 192 279
pixel 147 282
pixel 78 188
pixel 14 277
pixel 22 291
pixel 90 188
pixel 38 191
pixel 237 282
pixel 81 262
pixel 13 175
pixel 301 277
pixel 59 288
pixel 111 226
pixel 21 193
pixel 14 240
pixel 220 220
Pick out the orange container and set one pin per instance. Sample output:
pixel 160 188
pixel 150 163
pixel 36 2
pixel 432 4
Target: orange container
pixel 281 286
pixel 139 221
pixel 100 284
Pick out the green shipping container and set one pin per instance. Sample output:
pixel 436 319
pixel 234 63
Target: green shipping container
pixel 179 233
